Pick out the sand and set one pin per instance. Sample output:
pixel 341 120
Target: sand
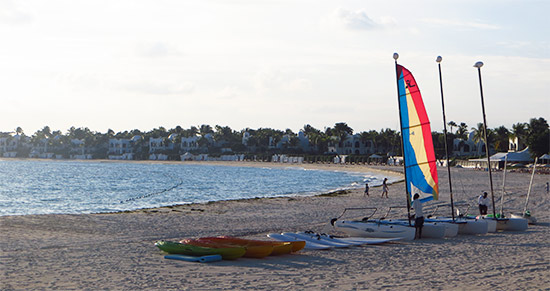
pixel 116 251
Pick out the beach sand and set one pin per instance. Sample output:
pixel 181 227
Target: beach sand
pixel 116 251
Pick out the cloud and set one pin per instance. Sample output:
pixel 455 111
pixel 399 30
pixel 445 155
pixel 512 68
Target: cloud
pixel 160 88
pixel 10 13
pixel 157 50
pixel 461 24
pixel 272 80
pixel 229 93
pixel 359 20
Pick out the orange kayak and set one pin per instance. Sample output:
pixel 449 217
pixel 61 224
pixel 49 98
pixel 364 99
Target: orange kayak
pixel 252 251
pixel 279 248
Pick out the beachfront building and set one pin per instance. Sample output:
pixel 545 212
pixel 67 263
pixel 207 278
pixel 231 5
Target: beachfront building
pixel 41 149
pixel 11 144
pixel 351 145
pixel 465 148
pixel 78 150
pixel 190 143
pixel 515 144
pixel 300 141
pixel 160 148
pixel 123 148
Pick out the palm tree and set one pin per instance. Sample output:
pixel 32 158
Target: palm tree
pixel 502 136
pixel 538 138
pixel 478 133
pixel 462 131
pixel 452 124
pixel 205 129
pixel 479 136
pixel 342 130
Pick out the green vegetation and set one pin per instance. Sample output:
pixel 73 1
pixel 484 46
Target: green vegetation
pixel 262 143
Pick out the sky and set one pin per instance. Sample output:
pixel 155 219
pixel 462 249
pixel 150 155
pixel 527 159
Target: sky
pixel 138 64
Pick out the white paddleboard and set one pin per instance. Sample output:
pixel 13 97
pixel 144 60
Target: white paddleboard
pixel 326 237
pixel 309 245
pixel 309 238
pixel 369 241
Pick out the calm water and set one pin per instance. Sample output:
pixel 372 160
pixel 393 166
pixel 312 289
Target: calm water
pixel 40 187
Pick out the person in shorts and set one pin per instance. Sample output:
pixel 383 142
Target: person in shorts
pixel 418 216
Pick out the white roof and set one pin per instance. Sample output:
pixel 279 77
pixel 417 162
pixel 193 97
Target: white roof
pixel 522 156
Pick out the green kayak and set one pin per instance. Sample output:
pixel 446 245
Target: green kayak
pixel 190 250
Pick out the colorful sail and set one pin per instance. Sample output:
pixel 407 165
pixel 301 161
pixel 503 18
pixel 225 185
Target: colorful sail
pixel 419 156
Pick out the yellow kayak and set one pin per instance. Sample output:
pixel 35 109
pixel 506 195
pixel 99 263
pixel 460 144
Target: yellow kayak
pixel 252 251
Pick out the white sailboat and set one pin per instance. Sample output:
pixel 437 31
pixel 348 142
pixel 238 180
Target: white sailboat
pixel 526 213
pixel 419 166
pixel 511 224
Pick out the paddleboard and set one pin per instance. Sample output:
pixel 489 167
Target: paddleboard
pixel 309 244
pixel 358 240
pixel 203 259
pixel 316 239
pixel 326 237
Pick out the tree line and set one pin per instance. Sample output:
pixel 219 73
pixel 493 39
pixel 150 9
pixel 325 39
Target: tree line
pixel 535 134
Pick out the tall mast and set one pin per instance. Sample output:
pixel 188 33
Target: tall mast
pixel 478 65
pixel 438 60
pixel 503 184
pixel 395 57
pixel 530 184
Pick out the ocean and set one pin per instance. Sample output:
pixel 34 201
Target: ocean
pixel 74 187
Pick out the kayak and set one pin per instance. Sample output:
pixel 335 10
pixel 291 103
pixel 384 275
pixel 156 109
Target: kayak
pixel 279 248
pixel 251 251
pixel 191 250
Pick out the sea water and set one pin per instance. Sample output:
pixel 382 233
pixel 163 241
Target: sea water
pixel 72 187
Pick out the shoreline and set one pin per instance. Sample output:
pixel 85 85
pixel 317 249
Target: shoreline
pixel 116 250
pixel 361 169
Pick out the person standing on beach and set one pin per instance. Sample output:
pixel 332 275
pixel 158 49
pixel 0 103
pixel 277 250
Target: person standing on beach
pixel 418 216
pixel 483 202
pixel 366 189
pixel 385 188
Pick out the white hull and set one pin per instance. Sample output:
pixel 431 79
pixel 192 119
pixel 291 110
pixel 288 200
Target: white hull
pixel 530 219
pixel 451 229
pixel 429 230
pixel 512 224
pixel 373 229
pixel 491 223
pixel 473 226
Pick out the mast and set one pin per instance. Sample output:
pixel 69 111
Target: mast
pixel 395 57
pixel 503 182
pixel 530 184
pixel 438 60
pixel 478 65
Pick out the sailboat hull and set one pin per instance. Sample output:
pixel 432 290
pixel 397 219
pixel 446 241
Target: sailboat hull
pixel 429 230
pixel 512 224
pixel 374 229
pixel 451 229
pixel 530 219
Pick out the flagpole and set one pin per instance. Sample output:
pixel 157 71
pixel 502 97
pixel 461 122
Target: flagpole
pixel 438 60
pixel 478 65
pixel 395 57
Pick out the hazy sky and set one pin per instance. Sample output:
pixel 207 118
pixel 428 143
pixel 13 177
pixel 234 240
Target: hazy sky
pixel 138 64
